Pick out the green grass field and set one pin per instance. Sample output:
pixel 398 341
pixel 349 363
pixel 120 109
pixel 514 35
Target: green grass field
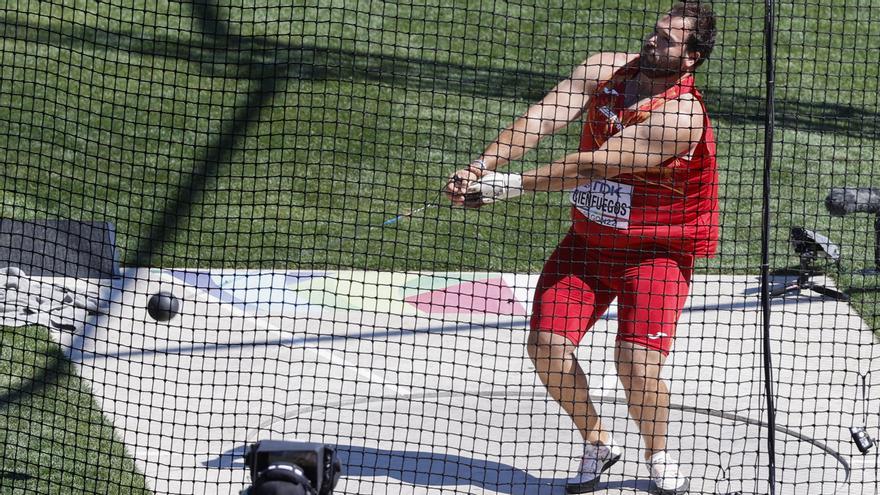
pixel 264 135
pixel 55 438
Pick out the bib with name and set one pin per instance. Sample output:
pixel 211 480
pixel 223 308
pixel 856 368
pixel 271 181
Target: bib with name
pixel 605 202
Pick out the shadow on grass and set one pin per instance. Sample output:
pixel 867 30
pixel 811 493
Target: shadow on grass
pixel 49 374
pixel 217 53
pixel 14 476
pixel 52 422
pixel 863 290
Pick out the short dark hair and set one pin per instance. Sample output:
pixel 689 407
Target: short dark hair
pixel 702 36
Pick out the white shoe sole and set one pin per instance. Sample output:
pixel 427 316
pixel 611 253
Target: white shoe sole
pixel 589 486
pixel 675 491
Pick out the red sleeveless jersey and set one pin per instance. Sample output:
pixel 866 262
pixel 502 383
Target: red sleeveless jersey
pixel 674 206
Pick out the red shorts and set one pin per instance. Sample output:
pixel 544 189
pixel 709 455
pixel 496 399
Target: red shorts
pixel 580 282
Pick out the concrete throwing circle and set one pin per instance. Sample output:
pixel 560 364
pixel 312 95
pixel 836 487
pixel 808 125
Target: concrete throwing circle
pixel 521 442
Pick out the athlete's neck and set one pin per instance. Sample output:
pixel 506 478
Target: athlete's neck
pixel 653 86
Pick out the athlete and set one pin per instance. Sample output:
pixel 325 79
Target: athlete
pixel 644 205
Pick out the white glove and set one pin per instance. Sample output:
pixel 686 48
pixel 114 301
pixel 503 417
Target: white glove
pixel 494 187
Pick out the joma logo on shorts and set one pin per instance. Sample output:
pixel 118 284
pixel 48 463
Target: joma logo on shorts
pixel 655 336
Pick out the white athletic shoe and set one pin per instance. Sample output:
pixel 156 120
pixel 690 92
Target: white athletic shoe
pixel 668 479
pixel 596 459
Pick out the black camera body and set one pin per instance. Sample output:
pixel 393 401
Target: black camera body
pixel 862 439
pixel 807 242
pixel 317 462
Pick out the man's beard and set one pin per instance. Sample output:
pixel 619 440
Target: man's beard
pixel 656 68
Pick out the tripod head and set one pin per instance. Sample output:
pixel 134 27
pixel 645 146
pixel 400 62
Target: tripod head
pixel 809 247
pixel 809 244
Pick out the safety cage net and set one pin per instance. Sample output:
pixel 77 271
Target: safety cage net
pixel 436 246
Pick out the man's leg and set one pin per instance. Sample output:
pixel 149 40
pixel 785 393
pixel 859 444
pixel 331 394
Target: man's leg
pixel 653 294
pixel 560 372
pixel 558 369
pixel 567 304
pixel 646 393
pixel 648 400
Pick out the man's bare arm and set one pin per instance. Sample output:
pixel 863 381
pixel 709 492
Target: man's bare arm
pixel 671 131
pixel 562 105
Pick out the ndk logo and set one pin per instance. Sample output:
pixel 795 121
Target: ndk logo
pixel 606 188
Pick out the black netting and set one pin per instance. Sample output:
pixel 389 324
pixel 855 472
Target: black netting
pixel 224 222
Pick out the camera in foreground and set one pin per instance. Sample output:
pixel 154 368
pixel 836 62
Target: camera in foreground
pixel 291 468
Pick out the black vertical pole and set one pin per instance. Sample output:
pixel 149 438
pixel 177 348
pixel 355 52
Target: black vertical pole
pixel 877 242
pixel 769 118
